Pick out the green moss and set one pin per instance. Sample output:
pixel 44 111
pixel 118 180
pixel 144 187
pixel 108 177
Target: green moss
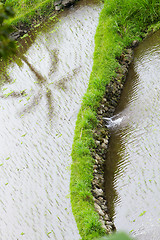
pixel 120 22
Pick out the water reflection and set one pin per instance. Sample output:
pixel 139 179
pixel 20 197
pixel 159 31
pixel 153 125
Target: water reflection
pixel 134 151
pixel 40 92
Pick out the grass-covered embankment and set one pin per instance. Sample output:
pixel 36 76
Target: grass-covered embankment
pixel 27 11
pixel 120 23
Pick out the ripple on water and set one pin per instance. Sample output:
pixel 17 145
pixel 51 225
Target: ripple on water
pixel 134 149
pixel 47 84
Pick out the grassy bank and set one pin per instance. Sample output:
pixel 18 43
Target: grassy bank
pixel 26 11
pixel 120 23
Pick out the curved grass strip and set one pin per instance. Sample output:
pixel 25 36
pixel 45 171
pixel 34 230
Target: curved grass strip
pixel 26 13
pixel 120 23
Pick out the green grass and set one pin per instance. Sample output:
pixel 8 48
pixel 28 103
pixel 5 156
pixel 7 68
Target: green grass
pixel 26 11
pixel 116 236
pixel 120 22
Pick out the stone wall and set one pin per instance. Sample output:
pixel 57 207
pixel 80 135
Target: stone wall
pixel 101 137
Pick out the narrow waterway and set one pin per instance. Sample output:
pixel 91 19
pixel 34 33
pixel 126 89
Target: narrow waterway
pixel 41 93
pixel 132 173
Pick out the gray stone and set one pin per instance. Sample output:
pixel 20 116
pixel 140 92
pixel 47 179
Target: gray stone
pixel 98 143
pixel 103 224
pixel 95 167
pixel 98 158
pixel 109 223
pixel 98 192
pixel 104 100
pixel 96 162
pixel 101 199
pixel 109 229
pixel 105 141
pixel 98 209
pixel 135 43
pixel 106 109
pixel 100 112
pixel 58 2
pixel 104 146
pixel 104 208
pixel 18 34
pixel 106 217
pixel 57 8
pixel 67 3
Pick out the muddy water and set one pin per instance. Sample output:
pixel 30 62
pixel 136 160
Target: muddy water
pixel 41 92
pixel 132 174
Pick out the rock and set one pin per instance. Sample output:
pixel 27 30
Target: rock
pixel 100 112
pixel 101 199
pixel 98 143
pixel 128 59
pixel 135 43
pixel 99 183
pixel 96 162
pixel 124 70
pixel 18 34
pixel 106 109
pixel 67 3
pixel 104 146
pixel 105 141
pixel 58 2
pixel 95 183
pixel 109 223
pixel 104 100
pixel 95 167
pixel 104 208
pixel 96 201
pixel 58 5
pixel 98 209
pixel 98 192
pixel 103 224
pixel 106 217
pixel 58 8
pixel 129 51
pixel 103 132
pixel 97 157
pixel 109 229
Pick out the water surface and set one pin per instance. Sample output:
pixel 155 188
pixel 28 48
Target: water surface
pixel 132 174
pixel 41 92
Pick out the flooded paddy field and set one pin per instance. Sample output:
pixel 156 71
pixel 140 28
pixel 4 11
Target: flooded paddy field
pixel 40 96
pixel 132 172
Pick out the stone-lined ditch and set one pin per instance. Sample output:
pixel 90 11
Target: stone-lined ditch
pixel 101 136
pixel 132 159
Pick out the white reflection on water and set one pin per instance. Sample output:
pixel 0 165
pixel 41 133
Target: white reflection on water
pixel 135 147
pixel 35 149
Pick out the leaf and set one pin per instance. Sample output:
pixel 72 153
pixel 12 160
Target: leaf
pixel 24 135
pixel 142 213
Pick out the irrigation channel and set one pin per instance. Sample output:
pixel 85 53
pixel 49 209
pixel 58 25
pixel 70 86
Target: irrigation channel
pixel 132 172
pixel 41 93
